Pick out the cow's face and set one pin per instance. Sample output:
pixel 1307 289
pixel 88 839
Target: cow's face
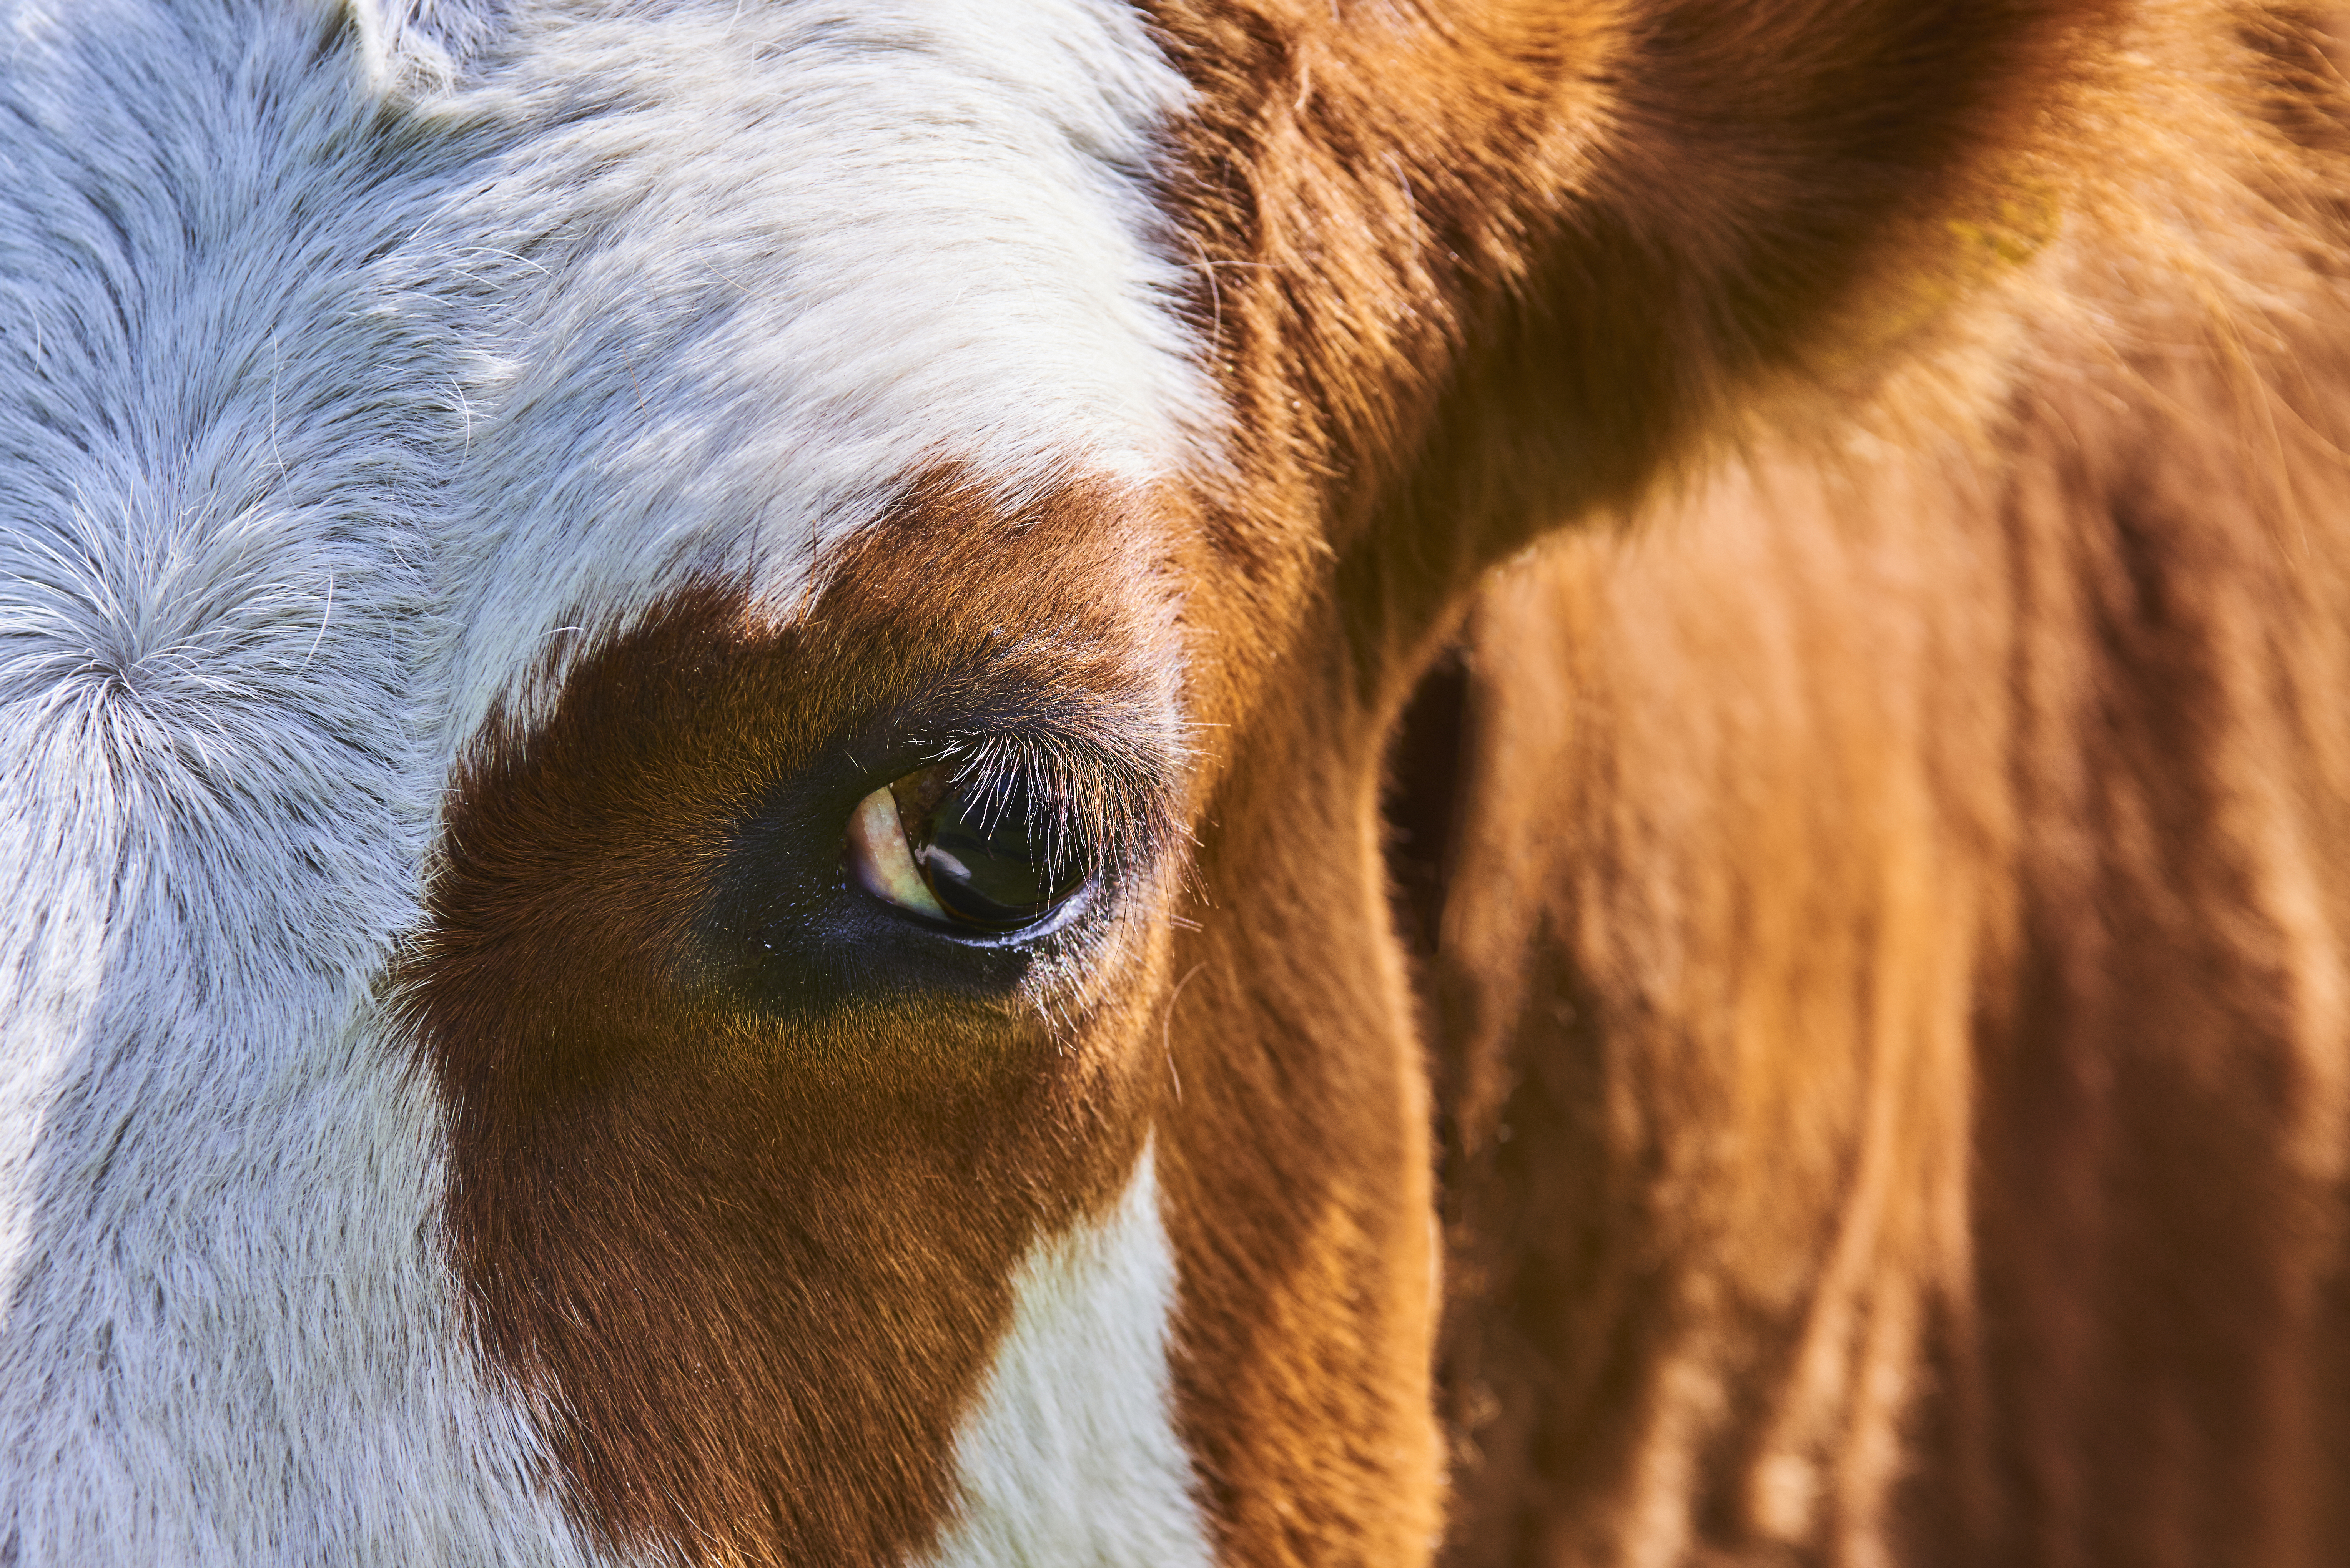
pixel 690 701
pixel 614 674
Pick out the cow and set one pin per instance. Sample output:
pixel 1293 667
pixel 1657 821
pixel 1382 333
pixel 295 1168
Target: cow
pixel 1212 782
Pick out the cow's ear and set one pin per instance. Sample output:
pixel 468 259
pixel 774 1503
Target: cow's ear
pixel 1468 272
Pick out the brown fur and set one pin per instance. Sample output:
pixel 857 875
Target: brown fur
pixel 1897 1078
pixel 1830 911
pixel 1917 1025
pixel 1886 993
pixel 754 1260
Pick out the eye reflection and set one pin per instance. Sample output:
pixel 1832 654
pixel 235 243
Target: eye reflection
pixel 962 851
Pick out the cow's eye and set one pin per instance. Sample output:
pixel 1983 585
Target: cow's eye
pixel 966 851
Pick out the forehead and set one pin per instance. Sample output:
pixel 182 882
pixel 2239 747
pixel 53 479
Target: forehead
pixel 303 331
pixel 361 379
pixel 753 270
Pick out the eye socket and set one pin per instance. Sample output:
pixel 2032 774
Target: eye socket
pixel 961 851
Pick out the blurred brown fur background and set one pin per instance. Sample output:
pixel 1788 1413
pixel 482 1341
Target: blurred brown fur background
pixel 1892 1088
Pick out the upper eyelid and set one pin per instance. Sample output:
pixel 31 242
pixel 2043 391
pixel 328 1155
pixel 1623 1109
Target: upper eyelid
pixel 1099 756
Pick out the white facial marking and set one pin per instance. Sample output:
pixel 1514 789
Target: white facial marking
pixel 765 262
pixel 227 1334
pixel 322 417
pixel 1072 1456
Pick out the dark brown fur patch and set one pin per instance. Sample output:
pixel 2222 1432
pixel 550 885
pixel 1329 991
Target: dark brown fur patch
pixel 751 1257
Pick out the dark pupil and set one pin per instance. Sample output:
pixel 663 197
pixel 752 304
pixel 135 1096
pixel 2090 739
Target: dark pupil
pixel 986 859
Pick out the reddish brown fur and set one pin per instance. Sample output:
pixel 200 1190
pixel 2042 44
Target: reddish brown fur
pixel 1451 305
pixel 754 1262
pixel 1918 1019
pixel 1769 985
pixel 1899 905
pixel 1918 1022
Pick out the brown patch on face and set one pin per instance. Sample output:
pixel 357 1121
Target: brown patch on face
pixel 1294 1157
pixel 1295 1168
pixel 745 1233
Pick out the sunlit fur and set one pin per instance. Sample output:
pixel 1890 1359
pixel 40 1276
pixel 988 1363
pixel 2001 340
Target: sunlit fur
pixel 353 359
pixel 231 1336
pixel 1887 996
pixel 1870 1085
pixel 1068 1456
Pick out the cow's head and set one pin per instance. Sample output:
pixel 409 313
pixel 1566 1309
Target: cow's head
pixel 690 703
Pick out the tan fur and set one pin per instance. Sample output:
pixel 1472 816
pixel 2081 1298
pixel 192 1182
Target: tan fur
pixel 1898 908
pixel 1885 1009
pixel 1897 1074
pixel 1916 1021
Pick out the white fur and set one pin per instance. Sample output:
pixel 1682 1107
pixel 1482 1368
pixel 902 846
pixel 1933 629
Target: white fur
pixel 1071 1457
pixel 316 428
pixel 771 259
pixel 229 1336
